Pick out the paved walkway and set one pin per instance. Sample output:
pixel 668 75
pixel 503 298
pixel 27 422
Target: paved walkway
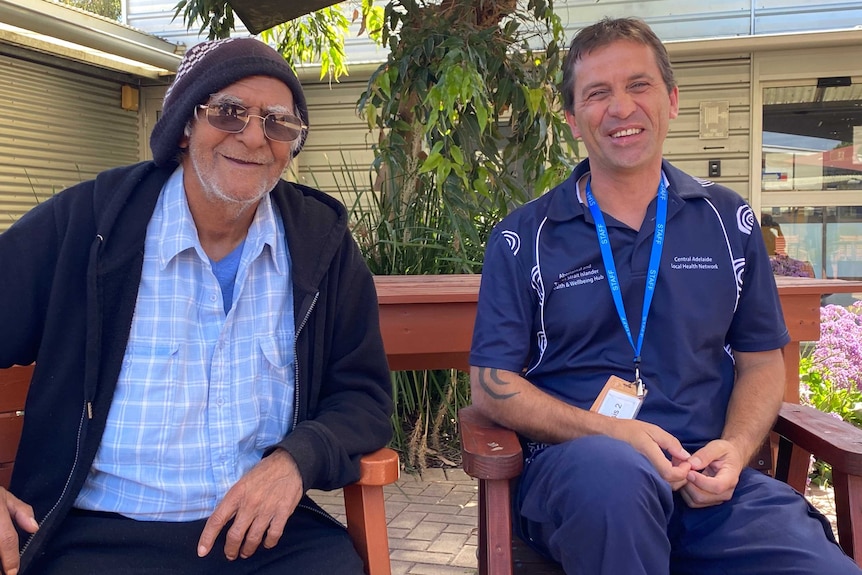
pixel 433 520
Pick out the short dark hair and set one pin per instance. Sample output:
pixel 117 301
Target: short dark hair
pixel 606 32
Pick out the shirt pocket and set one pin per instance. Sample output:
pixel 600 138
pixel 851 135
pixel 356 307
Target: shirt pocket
pixel 147 398
pixel 155 365
pixel 274 391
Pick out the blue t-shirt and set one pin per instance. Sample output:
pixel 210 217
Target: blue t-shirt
pixel 546 310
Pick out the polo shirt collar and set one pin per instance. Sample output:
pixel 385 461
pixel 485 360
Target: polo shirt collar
pixel 565 205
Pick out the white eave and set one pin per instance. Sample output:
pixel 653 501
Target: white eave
pixel 68 32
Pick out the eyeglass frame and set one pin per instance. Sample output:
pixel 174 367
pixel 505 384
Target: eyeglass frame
pixel 207 107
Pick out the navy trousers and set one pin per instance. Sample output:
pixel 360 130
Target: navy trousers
pixel 598 507
pixel 98 543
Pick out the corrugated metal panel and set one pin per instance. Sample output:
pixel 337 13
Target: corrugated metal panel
pixel 684 19
pixel 57 128
pixel 799 15
pixel 338 153
pixel 670 19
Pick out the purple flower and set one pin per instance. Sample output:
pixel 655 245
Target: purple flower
pixel 838 353
pixel 783 265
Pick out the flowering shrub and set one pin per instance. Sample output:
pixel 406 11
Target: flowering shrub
pixel 830 371
pixel 783 265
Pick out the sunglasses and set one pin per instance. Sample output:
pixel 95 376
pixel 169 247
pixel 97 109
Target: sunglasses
pixel 233 118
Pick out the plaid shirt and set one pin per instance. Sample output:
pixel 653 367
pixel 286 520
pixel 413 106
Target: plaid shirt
pixel 201 393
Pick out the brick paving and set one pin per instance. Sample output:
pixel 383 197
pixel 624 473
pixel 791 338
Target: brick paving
pixel 432 522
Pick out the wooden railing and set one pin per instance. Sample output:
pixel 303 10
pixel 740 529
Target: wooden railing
pixel 427 321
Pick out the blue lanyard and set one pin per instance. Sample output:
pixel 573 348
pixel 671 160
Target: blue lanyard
pixel 652 272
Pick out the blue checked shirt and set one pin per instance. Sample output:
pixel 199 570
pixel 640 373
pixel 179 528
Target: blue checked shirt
pixel 201 393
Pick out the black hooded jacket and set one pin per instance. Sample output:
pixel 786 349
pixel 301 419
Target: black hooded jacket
pixel 69 275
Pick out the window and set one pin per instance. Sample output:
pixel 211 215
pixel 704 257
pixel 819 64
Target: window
pixel 811 178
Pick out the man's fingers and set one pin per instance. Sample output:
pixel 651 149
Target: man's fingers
pixel 235 537
pixel 8 545
pixel 253 537
pixel 213 527
pixel 13 509
pixel 274 533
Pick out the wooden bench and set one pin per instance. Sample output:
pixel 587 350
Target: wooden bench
pixel 492 454
pixel 363 500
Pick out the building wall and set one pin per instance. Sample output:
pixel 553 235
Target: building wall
pixel 62 124
pixel 719 80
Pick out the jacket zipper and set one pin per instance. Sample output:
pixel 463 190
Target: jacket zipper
pixel 84 414
pixel 321 512
pixel 296 361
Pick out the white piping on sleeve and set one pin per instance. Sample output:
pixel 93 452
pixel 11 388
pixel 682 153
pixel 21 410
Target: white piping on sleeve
pixel 538 285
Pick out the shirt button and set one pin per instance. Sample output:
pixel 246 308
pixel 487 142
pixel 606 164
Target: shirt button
pixel 220 401
pixel 213 297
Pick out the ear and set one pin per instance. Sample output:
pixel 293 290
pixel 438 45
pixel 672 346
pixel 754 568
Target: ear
pixel 674 102
pixel 573 125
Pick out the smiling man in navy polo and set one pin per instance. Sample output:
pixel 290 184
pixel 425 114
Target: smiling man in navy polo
pixel 629 329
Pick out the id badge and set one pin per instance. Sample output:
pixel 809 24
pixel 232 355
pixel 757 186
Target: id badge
pixel 618 399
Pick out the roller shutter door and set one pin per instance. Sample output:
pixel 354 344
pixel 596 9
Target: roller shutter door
pixel 58 126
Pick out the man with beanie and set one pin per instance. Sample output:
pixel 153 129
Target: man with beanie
pixel 206 343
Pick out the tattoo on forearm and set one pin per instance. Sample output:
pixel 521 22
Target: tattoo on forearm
pixel 489 377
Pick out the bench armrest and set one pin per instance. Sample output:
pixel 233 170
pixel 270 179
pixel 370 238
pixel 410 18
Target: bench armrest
pixel 488 451
pixel 366 514
pixel 835 441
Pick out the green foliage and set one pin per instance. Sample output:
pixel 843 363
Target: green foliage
pixel 418 234
pixel 107 8
pixel 316 37
pixel 214 15
pixel 465 104
pixel 820 392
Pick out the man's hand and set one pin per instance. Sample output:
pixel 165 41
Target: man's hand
pixel 715 470
pixel 260 503
pixel 653 442
pixel 13 509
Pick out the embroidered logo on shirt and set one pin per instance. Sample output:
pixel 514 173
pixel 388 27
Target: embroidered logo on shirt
pixel 513 239
pixel 693 263
pixel 583 275
pixel 745 219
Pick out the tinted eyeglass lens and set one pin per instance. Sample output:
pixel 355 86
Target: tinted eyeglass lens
pixel 234 118
pixel 227 117
pixel 282 127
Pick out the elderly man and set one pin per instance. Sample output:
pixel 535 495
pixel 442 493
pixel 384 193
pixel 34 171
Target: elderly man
pixel 637 436
pixel 206 343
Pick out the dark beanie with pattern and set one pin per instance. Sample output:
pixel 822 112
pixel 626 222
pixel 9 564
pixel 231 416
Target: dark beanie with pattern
pixel 205 69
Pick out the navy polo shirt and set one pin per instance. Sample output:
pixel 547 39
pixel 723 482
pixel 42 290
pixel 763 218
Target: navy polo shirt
pixel 546 311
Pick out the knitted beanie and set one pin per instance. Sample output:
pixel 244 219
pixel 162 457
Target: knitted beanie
pixel 207 68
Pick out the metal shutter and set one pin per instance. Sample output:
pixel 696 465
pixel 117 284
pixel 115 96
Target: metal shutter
pixel 58 126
